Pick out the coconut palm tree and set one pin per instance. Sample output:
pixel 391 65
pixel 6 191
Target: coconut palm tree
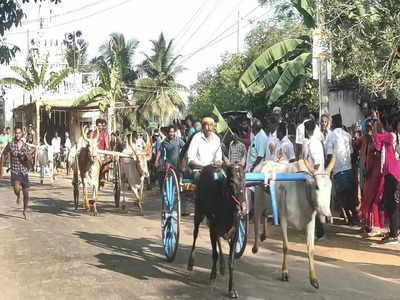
pixel 156 94
pixel 125 51
pixel 33 80
pixel 76 55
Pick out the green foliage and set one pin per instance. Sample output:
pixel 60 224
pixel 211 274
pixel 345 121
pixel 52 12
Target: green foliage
pixel 11 16
pixel 33 79
pixel 365 41
pixel 76 55
pixel 157 93
pixel 125 51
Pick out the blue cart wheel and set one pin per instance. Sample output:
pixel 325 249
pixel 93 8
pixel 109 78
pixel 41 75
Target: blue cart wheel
pixel 242 238
pixel 170 214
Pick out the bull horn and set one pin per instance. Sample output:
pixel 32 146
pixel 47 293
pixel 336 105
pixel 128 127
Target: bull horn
pixel 45 139
pixel 83 132
pixel 331 165
pixel 132 146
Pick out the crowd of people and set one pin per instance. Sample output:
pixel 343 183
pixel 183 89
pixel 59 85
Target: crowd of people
pixel 366 176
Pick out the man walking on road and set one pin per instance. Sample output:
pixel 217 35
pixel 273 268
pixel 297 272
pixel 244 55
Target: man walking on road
pixel 21 161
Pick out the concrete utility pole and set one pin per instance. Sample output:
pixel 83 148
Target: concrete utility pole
pixel 238 33
pixel 323 66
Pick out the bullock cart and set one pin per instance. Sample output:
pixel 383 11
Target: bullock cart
pixel 172 188
pixel 116 181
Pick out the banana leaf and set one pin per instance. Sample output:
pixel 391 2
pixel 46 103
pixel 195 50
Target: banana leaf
pixel 294 68
pixel 267 60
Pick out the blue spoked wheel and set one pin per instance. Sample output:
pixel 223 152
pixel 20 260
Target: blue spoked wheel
pixel 242 239
pixel 170 214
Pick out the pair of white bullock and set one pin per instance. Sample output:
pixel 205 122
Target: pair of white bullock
pixel 298 204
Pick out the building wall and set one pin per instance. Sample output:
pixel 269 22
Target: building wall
pixel 347 102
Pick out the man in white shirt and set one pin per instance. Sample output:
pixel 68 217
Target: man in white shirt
pixel 68 146
pixel 284 150
pixel 205 148
pixel 340 143
pixel 258 145
pixel 138 141
pixel 300 134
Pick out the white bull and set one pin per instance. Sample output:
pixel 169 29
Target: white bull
pixel 45 160
pixel 134 171
pixel 298 203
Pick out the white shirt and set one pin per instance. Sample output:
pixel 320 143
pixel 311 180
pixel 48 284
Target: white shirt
pixel 127 149
pixel 272 140
pixel 340 143
pixel 56 144
pixel 285 147
pixel 68 144
pixel 258 147
pixel 140 144
pixel 204 152
pixel 313 151
pixel 300 134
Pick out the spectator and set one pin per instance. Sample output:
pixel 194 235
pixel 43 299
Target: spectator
pixel 237 152
pixel 258 145
pixel 284 150
pixel 340 143
pixel 189 127
pixel 304 116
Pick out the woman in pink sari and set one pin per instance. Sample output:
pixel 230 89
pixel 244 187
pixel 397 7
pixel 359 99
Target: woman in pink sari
pixel 373 217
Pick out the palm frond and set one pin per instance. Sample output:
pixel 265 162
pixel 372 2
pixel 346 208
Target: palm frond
pixel 55 79
pixel 32 69
pixel 91 97
pixel 15 81
pixel 43 70
pixel 25 76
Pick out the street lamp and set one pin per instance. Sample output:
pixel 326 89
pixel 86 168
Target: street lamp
pixel 70 40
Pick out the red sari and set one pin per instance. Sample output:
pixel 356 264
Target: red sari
pixel 373 187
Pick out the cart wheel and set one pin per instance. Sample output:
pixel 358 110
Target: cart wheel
pixel 242 238
pixel 117 184
pixel 170 214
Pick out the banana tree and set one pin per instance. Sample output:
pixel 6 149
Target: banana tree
pixel 109 90
pixel 33 80
pixel 276 71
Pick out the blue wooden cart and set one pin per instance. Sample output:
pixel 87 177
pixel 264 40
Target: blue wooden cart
pixel 172 189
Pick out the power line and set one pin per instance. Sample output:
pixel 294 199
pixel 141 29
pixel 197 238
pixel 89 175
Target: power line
pixel 77 19
pixel 222 33
pixel 63 14
pixel 214 42
pixel 186 27
pixel 201 24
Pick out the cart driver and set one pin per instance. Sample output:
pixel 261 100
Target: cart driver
pixel 205 148
pixel 102 143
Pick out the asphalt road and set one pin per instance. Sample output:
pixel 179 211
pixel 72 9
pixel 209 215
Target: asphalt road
pixel 60 253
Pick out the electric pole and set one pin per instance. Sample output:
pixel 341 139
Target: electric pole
pixel 238 33
pixel 323 57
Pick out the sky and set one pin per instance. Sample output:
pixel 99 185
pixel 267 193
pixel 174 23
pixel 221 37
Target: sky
pixel 205 28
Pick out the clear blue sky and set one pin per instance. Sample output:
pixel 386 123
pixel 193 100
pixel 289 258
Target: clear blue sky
pixel 144 20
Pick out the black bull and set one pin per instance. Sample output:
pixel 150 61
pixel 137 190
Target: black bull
pixel 219 199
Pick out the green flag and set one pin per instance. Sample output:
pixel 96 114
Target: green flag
pixel 221 125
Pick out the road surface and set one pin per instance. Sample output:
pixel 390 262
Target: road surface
pixel 60 253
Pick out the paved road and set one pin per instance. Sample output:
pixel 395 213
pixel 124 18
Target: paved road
pixel 63 254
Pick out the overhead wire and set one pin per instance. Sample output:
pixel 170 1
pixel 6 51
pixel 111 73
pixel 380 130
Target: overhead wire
pixel 186 27
pixel 217 2
pixel 217 38
pixel 214 42
pixel 77 19
pixel 62 14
